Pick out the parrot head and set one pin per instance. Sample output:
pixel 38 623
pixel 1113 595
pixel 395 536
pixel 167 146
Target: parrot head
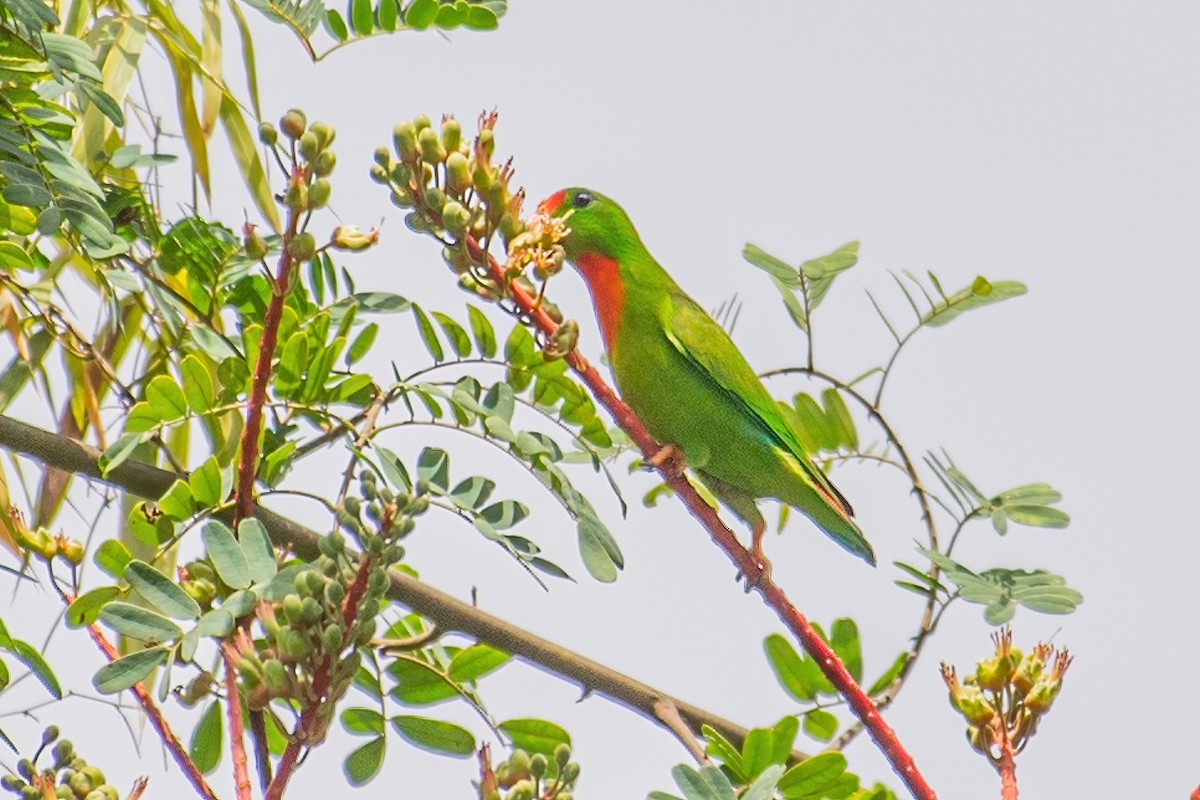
pixel 599 226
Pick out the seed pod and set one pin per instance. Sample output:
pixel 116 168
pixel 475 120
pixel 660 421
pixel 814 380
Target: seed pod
pixel 293 123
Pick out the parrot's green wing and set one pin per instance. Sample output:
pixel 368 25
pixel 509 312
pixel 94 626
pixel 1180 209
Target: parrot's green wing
pixel 707 348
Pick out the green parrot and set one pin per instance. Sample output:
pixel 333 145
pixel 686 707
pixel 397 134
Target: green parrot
pixel 688 383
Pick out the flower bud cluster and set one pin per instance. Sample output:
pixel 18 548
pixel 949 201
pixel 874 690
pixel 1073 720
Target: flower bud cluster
pixel 1005 698
pixel 41 542
pixel 525 777
pixel 69 777
pixel 456 192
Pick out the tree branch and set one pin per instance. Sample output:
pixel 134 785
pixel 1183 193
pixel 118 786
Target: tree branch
pixel 447 612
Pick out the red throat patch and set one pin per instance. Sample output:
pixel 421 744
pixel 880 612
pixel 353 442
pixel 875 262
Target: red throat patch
pixel 552 202
pixel 603 279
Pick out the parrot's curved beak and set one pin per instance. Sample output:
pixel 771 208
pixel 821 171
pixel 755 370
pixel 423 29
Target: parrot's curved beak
pixel 552 202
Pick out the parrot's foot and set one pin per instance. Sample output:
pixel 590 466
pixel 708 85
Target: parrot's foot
pixel 764 570
pixel 669 459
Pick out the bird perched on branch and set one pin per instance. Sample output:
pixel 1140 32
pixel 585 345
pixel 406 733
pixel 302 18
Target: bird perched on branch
pixel 688 383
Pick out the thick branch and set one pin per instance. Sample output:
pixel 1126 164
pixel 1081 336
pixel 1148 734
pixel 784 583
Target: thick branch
pixel 447 612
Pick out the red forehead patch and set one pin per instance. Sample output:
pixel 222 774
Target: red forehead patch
pixel 552 202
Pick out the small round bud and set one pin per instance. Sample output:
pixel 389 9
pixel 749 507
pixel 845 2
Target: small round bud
pixel 420 505
pixel 435 198
pixel 400 174
pixel 486 141
pixel 12 783
pixel 309 145
pixel 431 146
pixel 254 244
pixel 72 551
pixel 293 123
pixel 537 766
pixel 382 157
pixel 353 505
pixel 562 754
pixel 296 196
pixel 335 593
pixel 421 122
pixel 312 611
pixel 570 773
pixel 63 753
pixel 293 607
pixel 324 163
pixel 521 790
pixel 324 133
pixel 267 134
pixel 519 763
pixel 378 174
pixel 303 247
pixel 332 638
pixel 275 677
pixel 455 217
pixel 49 735
pixel 451 134
pixel 458 173
pixel 80 783
pixel 25 768
pixel 404 137
pixel 318 193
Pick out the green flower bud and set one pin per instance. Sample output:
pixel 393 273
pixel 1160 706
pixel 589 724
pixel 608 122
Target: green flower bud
pixel 293 607
pixel 332 638
pixel 335 593
pixel 349 237
pixel 105 792
pixel 432 151
pixel 537 766
pixel 303 247
pixel 25 769
pixel 383 157
pixel 318 193
pixel 421 122
pixel 455 218
pixel 451 134
pixel 570 773
pixel 72 551
pixel 562 341
pixel 486 141
pixel 435 199
pixel 456 258
pixel 199 568
pixel 64 792
pixel 562 754
pixel 12 783
pixel 315 582
pixel 482 176
pixel 312 611
pixel 325 134
pixel 63 753
pixel 254 244
pixel 250 671
pixel 393 553
pixel 518 762
pixel 404 137
pixel 366 630
pixel 400 174
pixel 267 134
pixel 80 784
pixel 420 505
pixel 511 226
pixel 309 146
pixel 458 173
pixel 324 163
pixel 404 527
pixel 521 790
pixel 293 123
pixel 377 581
pixel 296 196
pixel 378 174
pixel 353 505
pixel 293 646
pixel 49 735
pixel 331 569
pixel 276 678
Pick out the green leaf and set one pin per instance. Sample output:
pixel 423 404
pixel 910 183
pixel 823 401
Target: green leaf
pixel 362 343
pixel 421 14
pixel 1037 516
pixel 707 783
pixel 377 302
pixel 811 777
pixel 117 676
pixel 535 735
pixel 112 556
pixel 800 677
pixel 885 680
pixel 820 272
pixel 205 483
pixel 28 655
pixel 418 683
pixel 387 14
pixel 428 334
pixel 458 338
pixel 362 16
pixel 820 724
pixel 245 153
pixel 27 194
pixel 775 267
pixel 363 721
pixel 257 549
pixel 843 638
pixel 336 25
pixel 197 384
pixel 206 745
pixel 481 328
pixel 166 398
pixel 217 623
pixel 139 623
pixel 593 549
pixel 433 466
pixel 364 762
pixel 472 663
pixel 435 735
pixel 504 514
pixel 980 293
pixel 393 469
pixel 226 555
pixel 481 18
pixel 783 739
pixel 85 609
pixel 717 745
pixel 757 751
pixel 473 492
pixel 177 503
pixel 116 453
pixel 160 591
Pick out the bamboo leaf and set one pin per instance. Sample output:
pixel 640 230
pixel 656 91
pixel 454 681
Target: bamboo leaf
pixel 245 153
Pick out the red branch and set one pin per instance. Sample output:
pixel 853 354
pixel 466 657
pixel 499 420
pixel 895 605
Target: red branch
pixel 248 466
pixel 237 733
pixel 862 705
pixel 1006 765
pixel 154 714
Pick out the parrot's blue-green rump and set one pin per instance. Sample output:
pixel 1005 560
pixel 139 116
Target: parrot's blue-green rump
pixel 687 381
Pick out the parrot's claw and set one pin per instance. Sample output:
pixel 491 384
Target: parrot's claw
pixel 669 459
pixel 764 571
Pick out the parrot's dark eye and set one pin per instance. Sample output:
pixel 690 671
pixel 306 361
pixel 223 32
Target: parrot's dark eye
pixel 582 200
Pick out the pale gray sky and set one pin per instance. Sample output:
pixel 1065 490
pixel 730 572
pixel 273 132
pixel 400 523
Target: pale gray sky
pixel 1051 144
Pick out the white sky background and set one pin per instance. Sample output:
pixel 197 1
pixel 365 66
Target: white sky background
pixel 1055 146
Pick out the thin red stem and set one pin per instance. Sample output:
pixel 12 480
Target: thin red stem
pixel 862 705
pixel 248 465
pixel 237 732
pixel 154 714
pixel 1007 767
